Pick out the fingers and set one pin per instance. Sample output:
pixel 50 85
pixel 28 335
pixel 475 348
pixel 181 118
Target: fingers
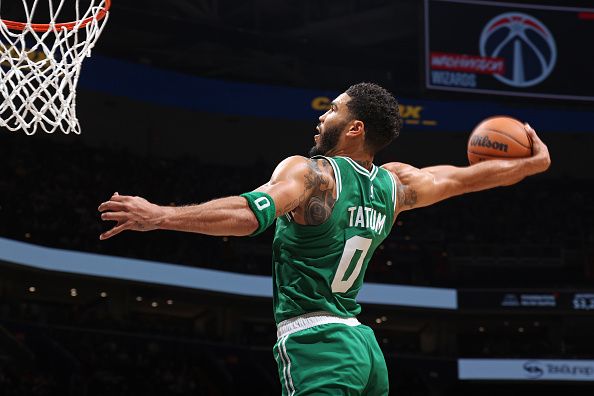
pixel 125 210
pixel 531 132
pixel 539 148
pixel 113 206
pixel 115 203
pixel 114 231
pixel 115 211
pixel 115 216
pixel 119 198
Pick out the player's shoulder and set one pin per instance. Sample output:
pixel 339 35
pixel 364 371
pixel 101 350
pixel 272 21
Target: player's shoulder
pixel 295 160
pixel 293 166
pixel 402 172
pixel 301 163
pixel 297 166
pixel 396 166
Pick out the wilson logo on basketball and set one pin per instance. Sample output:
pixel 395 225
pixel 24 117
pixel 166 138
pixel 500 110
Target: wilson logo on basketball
pixel 484 141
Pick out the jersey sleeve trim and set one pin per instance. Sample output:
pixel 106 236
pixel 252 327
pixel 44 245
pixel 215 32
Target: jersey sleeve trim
pixel 337 176
pixel 394 195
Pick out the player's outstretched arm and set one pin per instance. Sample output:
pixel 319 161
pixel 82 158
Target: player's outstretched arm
pixel 224 216
pixel 423 187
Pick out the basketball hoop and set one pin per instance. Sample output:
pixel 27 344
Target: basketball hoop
pixel 40 65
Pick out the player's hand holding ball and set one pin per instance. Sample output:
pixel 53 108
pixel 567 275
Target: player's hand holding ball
pixel 503 137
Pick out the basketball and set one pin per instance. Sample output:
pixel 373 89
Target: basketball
pixel 498 137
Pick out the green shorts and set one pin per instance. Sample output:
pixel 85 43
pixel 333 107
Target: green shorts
pixel 331 359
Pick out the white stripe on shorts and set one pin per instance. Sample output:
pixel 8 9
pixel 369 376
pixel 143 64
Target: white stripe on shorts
pixel 282 358
pixel 290 386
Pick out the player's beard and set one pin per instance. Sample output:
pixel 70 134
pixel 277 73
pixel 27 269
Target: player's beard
pixel 327 141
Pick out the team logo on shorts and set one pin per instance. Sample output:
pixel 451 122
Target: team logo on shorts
pixel 526 45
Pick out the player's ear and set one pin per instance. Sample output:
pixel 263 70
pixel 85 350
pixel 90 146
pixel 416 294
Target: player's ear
pixel 357 128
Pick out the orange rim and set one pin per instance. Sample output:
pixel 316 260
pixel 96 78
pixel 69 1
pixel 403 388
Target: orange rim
pixel 44 27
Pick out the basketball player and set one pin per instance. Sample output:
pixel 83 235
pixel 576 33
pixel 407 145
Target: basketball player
pixel 332 211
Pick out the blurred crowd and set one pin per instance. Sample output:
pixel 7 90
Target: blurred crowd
pixel 74 352
pixel 50 191
pixel 56 348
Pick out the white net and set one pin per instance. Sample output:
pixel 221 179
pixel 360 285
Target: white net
pixel 40 63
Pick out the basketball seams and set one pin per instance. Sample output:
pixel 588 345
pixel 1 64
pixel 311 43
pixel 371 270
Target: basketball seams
pixel 509 136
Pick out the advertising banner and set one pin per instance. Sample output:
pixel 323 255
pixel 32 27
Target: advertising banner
pixel 526 370
pixel 509 49
pixel 168 88
pixel 514 300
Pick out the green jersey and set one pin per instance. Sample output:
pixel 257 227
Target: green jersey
pixel 321 268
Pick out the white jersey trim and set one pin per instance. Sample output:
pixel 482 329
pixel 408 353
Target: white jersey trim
pixel 394 186
pixel 371 175
pixel 374 172
pixel 306 321
pixel 337 177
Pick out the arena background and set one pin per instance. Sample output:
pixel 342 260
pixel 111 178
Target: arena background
pixel 184 101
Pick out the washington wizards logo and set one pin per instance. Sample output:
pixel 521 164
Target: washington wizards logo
pixel 525 43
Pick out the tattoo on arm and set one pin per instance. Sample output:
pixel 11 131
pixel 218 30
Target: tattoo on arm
pixel 320 182
pixel 407 197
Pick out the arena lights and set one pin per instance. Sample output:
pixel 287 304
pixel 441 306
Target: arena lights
pixel 139 298
pixel 103 294
pixel 154 304
pixel 73 292
pixel 32 289
pixel 481 329
pixel 169 302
